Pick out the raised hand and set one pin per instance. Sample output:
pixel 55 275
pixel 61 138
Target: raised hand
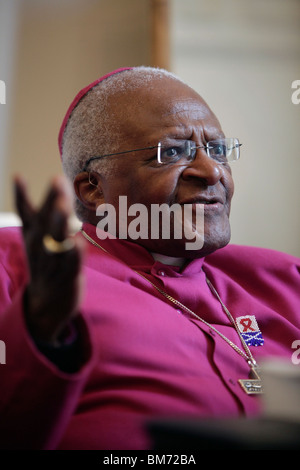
pixel 54 260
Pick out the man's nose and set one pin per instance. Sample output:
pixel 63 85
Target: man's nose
pixel 204 168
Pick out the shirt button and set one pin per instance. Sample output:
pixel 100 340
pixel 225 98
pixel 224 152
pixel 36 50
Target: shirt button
pixel 179 311
pixel 212 332
pixel 233 382
pixel 161 272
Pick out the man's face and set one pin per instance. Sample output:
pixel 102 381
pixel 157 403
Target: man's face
pixel 169 114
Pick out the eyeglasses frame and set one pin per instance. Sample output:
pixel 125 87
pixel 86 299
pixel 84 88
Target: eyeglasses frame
pixel 158 147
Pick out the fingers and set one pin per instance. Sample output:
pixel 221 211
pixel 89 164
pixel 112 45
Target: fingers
pixel 55 285
pixel 57 208
pixel 52 216
pixel 64 194
pixel 23 205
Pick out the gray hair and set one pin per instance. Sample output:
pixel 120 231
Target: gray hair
pixel 92 128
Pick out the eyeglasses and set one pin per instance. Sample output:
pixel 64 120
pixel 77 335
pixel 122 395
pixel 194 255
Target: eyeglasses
pixel 222 151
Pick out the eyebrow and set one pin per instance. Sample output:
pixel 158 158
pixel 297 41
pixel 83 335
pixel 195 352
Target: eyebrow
pixel 214 134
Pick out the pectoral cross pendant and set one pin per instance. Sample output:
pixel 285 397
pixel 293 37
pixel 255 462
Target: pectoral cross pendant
pixel 252 386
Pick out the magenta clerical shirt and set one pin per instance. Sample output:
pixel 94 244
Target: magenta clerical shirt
pixel 145 357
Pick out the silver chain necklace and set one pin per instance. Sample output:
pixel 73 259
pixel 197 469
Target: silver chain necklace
pixel 250 386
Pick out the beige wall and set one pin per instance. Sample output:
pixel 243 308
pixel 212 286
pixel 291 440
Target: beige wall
pixel 61 46
pixel 243 56
pixel 8 30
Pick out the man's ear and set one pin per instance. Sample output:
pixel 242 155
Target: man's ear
pixel 88 189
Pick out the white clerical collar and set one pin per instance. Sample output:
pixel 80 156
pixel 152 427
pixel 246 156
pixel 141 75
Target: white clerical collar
pixel 169 260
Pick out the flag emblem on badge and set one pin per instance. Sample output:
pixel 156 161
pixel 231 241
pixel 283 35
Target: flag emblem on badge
pixel 249 330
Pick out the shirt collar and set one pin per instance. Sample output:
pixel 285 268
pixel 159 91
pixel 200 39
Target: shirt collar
pixel 168 260
pixel 138 257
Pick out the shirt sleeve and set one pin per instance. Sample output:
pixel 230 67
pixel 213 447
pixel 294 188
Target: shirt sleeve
pixel 37 398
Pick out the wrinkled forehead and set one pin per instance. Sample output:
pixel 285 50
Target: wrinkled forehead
pixel 165 102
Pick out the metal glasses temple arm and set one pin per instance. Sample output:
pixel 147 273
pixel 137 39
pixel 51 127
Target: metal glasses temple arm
pixel 112 154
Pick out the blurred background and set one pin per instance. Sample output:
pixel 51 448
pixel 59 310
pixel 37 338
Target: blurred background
pixel 241 56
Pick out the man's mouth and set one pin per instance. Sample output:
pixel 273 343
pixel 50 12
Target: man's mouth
pixel 212 203
pixel 204 200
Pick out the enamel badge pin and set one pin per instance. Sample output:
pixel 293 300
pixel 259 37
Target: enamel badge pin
pixel 249 330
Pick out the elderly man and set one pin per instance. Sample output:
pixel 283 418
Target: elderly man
pixel 104 332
